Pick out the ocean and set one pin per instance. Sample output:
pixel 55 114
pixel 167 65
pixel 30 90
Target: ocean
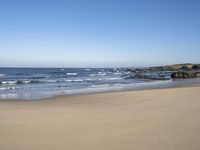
pixel 39 83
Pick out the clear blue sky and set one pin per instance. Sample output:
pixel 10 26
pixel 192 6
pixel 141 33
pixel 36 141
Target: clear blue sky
pixel 98 33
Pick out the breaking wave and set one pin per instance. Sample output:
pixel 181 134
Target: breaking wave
pixel 71 74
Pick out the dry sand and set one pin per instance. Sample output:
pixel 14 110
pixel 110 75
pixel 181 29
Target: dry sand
pixel 161 119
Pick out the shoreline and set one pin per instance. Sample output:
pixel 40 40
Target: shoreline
pixel 162 86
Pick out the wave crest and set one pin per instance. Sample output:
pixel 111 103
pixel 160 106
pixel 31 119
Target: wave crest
pixel 71 74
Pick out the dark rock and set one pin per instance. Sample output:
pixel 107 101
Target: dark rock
pixel 180 71
pixel 183 75
pixel 184 68
pixel 139 76
pixel 157 69
pixel 196 67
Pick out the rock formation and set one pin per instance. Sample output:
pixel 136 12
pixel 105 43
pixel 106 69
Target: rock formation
pixel 183 75
pixel 177 71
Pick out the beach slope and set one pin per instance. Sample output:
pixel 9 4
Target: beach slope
pixel 158 119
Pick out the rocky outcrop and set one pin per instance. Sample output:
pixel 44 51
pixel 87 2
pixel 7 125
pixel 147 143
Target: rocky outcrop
pixel 196 67
pixel 183 75
pixel 177 71
pixel 176 67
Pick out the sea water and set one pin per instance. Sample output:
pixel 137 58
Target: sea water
pixel 38 83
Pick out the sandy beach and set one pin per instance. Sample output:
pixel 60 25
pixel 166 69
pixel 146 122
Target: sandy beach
pixel 157 119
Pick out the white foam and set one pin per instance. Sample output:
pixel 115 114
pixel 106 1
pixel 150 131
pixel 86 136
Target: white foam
pixel 11 88
pixel 71 74
pixel 76 80
pixel 68 80
pixel 102 73
pixel 89 79
pixel 117 73
pixel 7 88
pixel 27 82
pixel 9 82
pixel 92 75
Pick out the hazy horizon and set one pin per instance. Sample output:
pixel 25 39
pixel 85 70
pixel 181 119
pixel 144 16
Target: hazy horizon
pixel 67 33
pixel 85 67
